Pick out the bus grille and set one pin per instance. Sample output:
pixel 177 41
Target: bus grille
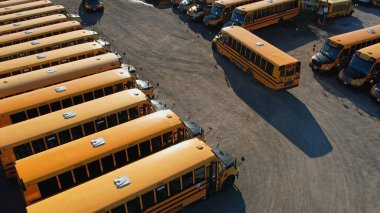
pixel 316 63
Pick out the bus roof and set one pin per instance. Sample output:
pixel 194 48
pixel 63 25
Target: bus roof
pixel 260 4
pixel 230 2
pixel 27 61
pixel 55 121
pixel 150 172
pixel 372 51
pixel 15 27
pixel 32 12
pixel 39 31
pixel 14 2
pixel 265 49
pixel 64 72
pixel 26 6
pixel 357 36
pixel 81 152
pixel 44 42
pixel 38 97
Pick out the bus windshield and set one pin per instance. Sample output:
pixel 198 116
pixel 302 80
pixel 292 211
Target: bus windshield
pixel 238 18
pixel 330 51
pixel 359 68
pixel 216 10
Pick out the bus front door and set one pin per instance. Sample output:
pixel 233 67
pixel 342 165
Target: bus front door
pixel 211 179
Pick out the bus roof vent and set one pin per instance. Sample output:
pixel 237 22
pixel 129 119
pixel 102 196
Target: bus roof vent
pixel 35 42
pixel 200 147
pixel 98 142
pixel 41 56
pixel 122 181
pixel 69 115
pixel 269 1
pixel 16 24
pixel 259 43
pixel 169 116
pixel 7 8
pixel 51 70
pixel 60 89
pixel 371 31
pixel 28 31
pixel 18 14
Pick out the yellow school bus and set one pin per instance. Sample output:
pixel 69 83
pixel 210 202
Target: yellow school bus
pixel 259 59
pixel 7 3
pixel 264 13
pixel 337 7
pixel 51 58
pixel 26 82
pixel 166 181
pixel 65 125
pixel 32 14
pixel 24 7
pixel 39 33
pixel 221 11
pixel 39 102
pixel 69 163
pixel 49 44
pixel 338 50
pixel 364 67
pixel 33 23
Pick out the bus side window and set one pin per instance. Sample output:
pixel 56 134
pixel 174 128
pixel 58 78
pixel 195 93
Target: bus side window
pixel 51 141
pixel 156 144
pixel 80 174
pixel 89 128
pixel 120 158
pixel 108 90
pixel 145 148
pixel 44 109
pixel 199 174
pixel 187 180
pixel 133 113
pixel 18 117
pixel 48 187
pixel 66 180
pixel 147 200
pixel 94 169
pixel 118 209
pixel 38 145
pixel 22 151
pixel 77 132
pixel 175 186
pixel 100 124
pixel 133 206
pixel 133 153
pixel 118 87
pixel 168 139
pixel 161 193
pixel 64 137
pixel 78 99
pixel 111 120
pixel 107 163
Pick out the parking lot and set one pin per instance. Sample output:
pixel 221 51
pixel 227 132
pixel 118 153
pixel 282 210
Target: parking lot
pixel 314 148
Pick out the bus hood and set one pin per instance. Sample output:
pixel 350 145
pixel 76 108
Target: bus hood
pixel 319 57
pixel 194 128
pixel 227 159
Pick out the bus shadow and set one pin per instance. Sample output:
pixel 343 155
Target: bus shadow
pixel 288 115
pixel 229 201
pixel 11 199
pixel 89 18
pixel 340 25
pixel 357 99
pixel 368 8
pixel 197 26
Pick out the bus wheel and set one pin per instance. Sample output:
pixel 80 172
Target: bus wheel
pixel 228 183
pixel 213 47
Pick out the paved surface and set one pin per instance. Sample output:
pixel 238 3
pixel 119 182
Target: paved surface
pixel 314 148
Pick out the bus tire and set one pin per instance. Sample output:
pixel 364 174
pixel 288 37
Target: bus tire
pixel 228 183
pixel 213 47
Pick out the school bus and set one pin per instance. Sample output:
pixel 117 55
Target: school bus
pixel 51 58
pixel 221 11
pixel 26 82
pixel 33 23
pixel 32 14
pixel 264 13
pixel 14 2
pixel 24 7
pixel 65 125
pixel 49 44
pixel 337 7
pixel 338 50
pixel 146 135
pixel 39 102
pixel 259 59
pixel 364 67
pixel 375 92
pixel 39 33
pixel 198 11
pixel 166 181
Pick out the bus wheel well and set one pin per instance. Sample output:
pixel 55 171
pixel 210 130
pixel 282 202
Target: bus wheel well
pixel 228 183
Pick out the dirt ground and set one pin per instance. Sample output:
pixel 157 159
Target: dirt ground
pixel 314 148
